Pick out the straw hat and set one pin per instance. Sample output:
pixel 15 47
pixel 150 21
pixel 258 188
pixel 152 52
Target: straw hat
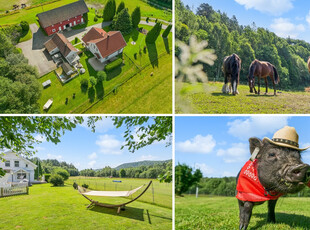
pixel 286 137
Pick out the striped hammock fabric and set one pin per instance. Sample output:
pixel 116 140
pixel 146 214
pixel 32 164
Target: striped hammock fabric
pixel 112 193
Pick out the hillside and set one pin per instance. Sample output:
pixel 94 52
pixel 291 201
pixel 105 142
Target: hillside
pixel 139 163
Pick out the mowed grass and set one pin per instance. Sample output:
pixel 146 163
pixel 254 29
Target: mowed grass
pixel 143 93
pixel 30 15
pixel 209 99
pixel 48 207
pixel 162 191
pixel 223 213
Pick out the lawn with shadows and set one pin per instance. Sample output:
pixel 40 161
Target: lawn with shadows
pixel 48 207
pixel 223 213
pixel 208 98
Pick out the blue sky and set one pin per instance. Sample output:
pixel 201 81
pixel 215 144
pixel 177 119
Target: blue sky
pixel 219 146
pixel 86 149
pixel 284 17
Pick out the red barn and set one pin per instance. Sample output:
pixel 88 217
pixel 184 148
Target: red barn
pixel 60 18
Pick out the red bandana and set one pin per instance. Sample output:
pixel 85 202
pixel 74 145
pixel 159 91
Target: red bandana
pixel 249 187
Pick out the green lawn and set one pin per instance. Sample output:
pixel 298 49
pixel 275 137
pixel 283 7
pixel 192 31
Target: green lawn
pixel 143 93
pixel 30 15
pixel 48 207
pixel 223 213
pixel 162 191
pixel 26 37
pixel 209 99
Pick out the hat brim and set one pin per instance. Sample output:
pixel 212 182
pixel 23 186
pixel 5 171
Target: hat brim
pixel 285 145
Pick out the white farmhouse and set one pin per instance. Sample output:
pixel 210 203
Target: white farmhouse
pixel 104 45
pixel 18 167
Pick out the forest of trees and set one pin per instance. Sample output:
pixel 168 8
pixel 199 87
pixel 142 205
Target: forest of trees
pixel 142 171
pixel 226 36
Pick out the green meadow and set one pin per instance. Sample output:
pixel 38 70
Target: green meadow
pixel 223 213
pixel 48 207
pixel 209 99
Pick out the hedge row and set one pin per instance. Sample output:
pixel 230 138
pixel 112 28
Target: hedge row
pixel 113 64
pixel 13 12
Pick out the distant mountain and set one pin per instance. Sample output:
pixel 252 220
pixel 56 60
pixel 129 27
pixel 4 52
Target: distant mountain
pixel 139 163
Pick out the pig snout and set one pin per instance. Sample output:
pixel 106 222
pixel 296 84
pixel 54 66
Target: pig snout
pixel 298 173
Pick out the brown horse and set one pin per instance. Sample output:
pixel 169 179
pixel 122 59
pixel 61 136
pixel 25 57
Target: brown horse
pixel 231 69
pixel 262 69
pixel 308 64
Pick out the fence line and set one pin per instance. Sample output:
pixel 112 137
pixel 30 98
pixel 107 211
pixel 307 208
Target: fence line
pixel 15 190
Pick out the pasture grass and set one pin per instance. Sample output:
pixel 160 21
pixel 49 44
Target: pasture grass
pixel 48 207
pixel 208 99
pixel 208 212
pixel 162 191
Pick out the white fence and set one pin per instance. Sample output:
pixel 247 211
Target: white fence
pixel 15 189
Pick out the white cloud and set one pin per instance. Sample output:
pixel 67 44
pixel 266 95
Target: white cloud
pixel 238 152
pixel 77 165
pixel 102 126
pixel 206 170
pixel 272 7
pixel 228 174
pixel 147 158
pixel 198 144
pixel 256 126
pixel 108 144
pixel 57 157
pixel 38 148
pixel 308 18
pixel 40 138
pixel 92 156
pixel 283 27
pixel 91 164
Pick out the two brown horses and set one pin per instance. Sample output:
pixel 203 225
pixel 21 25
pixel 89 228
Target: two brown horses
pixel 262 69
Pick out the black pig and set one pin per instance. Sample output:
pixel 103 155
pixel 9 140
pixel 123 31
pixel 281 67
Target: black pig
pixel 279 171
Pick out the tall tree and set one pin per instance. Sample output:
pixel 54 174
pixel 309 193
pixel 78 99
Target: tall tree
pixel 109 10
pixel 122 22
pixel 136 17
pixel 120 7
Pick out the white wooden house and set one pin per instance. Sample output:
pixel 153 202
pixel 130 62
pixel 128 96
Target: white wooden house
pixel 17 167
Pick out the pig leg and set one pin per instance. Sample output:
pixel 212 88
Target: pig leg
pixel 271 215
pixel 245 213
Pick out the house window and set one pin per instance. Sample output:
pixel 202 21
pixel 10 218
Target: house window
pixel 7 164
pixel 53 30
pixel 16 163
pixel 26 165
pixel 21 175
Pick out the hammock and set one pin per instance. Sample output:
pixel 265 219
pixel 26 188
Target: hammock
pixel 86 193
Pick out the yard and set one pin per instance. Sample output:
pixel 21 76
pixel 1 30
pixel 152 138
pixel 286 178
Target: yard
pixel 48 207
pixel 150 59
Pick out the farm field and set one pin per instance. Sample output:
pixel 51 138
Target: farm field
pixel 209 99
pixel 48 207
pixel 162 191
pixel 30 14
pixel 222 213
pixel 145 94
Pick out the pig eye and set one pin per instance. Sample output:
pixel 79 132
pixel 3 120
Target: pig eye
pixel 272 154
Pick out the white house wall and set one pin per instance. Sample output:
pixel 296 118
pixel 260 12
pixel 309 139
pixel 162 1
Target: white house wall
pixel 93 48
pixel 71 56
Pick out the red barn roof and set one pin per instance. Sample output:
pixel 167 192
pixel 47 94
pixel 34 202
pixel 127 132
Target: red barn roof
pixel 62 13
pixel 106 42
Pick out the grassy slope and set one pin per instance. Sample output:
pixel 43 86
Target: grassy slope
pixel 210 100
pixel 162 191
pixel 30 15
pixel 222 213
pixel 48 207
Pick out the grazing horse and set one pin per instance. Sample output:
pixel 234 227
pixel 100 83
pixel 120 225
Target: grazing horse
pixel 231 69
pixel 308 64
pixel 262 69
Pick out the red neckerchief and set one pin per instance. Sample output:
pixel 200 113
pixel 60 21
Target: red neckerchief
pixel 249 187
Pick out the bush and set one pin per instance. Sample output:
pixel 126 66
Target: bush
pixel 147 19
pixel 113 64
pixel 56 180
pixel 136 17
pixel 47 176
pixel 85 185
pixel 62 172
pixel 167 31
pixel 120 7
pixel 93 81
pixel 122 22
pixel 109 10
pixel 84 83
pixel 24 25
pixel 101 76
pixel 75 185
pixel 95 19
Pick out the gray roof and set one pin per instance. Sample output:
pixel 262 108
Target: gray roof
pixel 66 67
pixel 62 13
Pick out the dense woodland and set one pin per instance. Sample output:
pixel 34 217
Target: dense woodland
pixel 148 170
pixel 226 36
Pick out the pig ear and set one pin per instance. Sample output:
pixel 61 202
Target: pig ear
pixel 255 143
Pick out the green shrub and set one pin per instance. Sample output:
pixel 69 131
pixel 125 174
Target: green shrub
pixel 56 180
pixel 85 185
pixel 109 10
pixel 113 64
pixel 147 19
pixel 84 83
pixel 122 22
pixel 24 25
pixel 167 31
pixel 93 81
pixel 62 172
pixel 75 185
pixel 101 76
pixel 136 17
pixel 95 19
pixel 47 176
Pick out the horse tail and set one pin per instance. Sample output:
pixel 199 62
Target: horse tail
pixel 276 75
pixel 251 71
